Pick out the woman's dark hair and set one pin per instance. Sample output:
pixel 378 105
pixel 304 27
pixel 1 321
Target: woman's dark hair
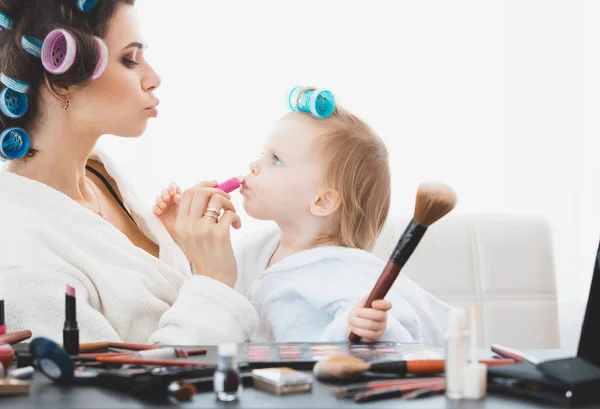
pixel 37 18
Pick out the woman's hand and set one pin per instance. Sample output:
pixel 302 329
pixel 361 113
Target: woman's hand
pixel 203 233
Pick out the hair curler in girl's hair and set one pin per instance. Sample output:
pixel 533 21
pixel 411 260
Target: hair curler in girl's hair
pixel 86 5
pixel 14 143
pixel 58 51
pixel 319 102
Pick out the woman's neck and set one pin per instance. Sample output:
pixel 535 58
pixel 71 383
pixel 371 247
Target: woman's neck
pixel 59 163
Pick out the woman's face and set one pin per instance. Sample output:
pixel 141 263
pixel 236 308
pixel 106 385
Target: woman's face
pixel 121 101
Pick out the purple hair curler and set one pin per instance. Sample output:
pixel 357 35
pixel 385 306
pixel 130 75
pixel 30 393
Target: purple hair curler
pixel 102 58
pixel 58 51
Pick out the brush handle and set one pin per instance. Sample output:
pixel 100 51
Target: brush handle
pixel 392 392
pixel 425 392
pixel 142 361
pixel 402 368
pixel 131 347
pixel 352 390
pixel 15 337
pixel 423 366
pixel 86 347
pixel 407 244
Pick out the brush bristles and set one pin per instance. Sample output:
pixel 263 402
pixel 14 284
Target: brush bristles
pixel 434 201
pixel 340 367
pixel 183 391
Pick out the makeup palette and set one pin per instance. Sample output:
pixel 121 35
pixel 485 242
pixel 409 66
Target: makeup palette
pixel 304 355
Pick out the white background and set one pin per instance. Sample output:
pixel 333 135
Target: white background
pixel 499 99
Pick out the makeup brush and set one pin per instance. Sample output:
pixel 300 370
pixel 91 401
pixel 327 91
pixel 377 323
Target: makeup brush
pixel 15 337
pixel 434 201
pixel 349 391
pixel 405 391
pixel 99 346
pixel 343 367
pixel 125 360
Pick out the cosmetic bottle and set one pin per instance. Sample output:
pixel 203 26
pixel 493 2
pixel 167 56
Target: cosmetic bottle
pixel 475 382
pixel 456 354
pixel 227 375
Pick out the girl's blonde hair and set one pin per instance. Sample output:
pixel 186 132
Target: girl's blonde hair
pixel 357 166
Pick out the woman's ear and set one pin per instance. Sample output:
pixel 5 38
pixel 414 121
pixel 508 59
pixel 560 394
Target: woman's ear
pixel 58 92
pixel 326 203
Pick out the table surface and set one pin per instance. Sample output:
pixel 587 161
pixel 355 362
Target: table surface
pixel 45 394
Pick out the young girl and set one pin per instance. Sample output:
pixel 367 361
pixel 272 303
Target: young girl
pixel 325 183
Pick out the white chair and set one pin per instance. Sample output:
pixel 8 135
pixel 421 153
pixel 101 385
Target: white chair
pixel 501 263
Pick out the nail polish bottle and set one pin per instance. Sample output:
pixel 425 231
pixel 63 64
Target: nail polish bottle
pixel 227 375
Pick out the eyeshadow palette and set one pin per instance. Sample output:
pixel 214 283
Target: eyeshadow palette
pixel 304 355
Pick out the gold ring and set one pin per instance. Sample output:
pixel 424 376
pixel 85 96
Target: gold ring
pixel 212 209
pixel 212 213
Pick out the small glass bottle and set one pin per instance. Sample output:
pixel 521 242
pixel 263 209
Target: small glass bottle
pixel 456 354
pixel 227 375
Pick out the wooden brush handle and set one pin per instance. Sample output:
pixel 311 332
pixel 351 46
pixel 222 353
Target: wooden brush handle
pixel 429 366
pixel 15 337
pixel 86 347
pixel 382 286
pixel 425 366
pixel 194 352
pixel 142 361
pixel 394 391
pixel 132 347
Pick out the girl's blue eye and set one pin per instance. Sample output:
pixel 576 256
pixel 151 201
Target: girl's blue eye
pixel 276 161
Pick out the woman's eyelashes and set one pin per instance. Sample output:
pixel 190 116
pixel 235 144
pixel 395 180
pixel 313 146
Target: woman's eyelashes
pixel 129 62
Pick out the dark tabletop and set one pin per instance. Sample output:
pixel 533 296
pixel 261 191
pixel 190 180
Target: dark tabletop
pixel 47 395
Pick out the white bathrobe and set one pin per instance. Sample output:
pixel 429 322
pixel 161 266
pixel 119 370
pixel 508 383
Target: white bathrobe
pixel 123 293
pixel 309 295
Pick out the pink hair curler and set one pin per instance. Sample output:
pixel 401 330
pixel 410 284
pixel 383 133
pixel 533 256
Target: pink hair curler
pixel 229 185
pixel 102 58
pixel 58 51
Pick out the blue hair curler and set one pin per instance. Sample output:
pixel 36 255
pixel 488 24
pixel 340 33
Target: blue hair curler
pixel 52 360
pixel 14 84
pixel 5 21
pixel 86 5
pixel 14 143
pixel 13 104
pixel 32 45
pixel 319 102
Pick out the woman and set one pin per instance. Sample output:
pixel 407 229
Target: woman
pixel 69 218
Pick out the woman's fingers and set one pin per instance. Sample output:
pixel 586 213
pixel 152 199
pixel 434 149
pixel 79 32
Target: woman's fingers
pixel 230 218
pixel 203 188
